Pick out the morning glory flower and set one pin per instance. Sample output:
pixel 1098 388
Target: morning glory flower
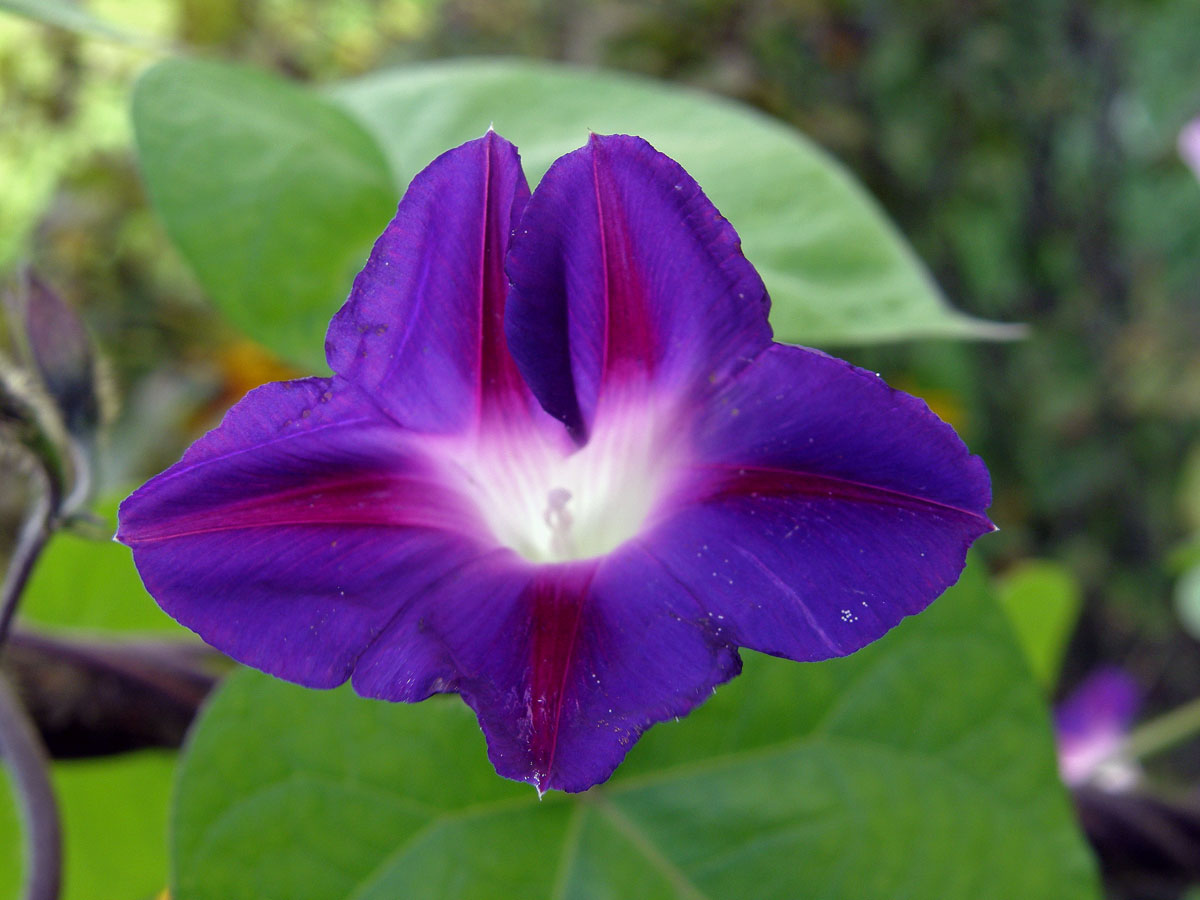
pixel 1189 145
pixel 561 469
pixel 1092 726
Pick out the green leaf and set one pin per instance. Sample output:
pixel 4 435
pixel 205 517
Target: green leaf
pixel 114 812
pixel 1042 599
pixel 1187 600
pixel 273 195
pixel 920 767
pixel 11 845
pixel 80 583
pixel 837 270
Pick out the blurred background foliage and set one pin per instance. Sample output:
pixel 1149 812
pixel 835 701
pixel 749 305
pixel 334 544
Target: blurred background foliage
pixel 1027 149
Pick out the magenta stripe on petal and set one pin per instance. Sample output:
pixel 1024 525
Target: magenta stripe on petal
pixel 310 452
pixel 623 269
pixel 288 536
pixel 371 499
pixel 795 409
pixel 716 483
pixel 557 598
pixel 565 665
pixel 423 328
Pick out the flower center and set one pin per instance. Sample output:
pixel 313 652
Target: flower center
pixel 551 502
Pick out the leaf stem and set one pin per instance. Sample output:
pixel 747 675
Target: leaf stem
pixel 1163 732
pixel 26 759
pixel 32 540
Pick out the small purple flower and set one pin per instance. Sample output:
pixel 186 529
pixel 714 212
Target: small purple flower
pixel 1092 725
pixel 561 469
pixel 1189 145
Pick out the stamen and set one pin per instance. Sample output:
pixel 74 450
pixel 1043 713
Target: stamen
pixel 560 520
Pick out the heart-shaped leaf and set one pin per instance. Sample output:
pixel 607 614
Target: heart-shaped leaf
pixel 920 767
pixel 273 194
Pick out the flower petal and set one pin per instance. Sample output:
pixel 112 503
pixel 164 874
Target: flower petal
pixel 565 665
pixel 825 507
pixel 1106 703
pixel 422 331
pixel 800 409
pixel 1092 727
pixel 623 269
pixel 290 536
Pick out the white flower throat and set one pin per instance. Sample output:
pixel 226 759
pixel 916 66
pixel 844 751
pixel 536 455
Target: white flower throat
pixel 551 503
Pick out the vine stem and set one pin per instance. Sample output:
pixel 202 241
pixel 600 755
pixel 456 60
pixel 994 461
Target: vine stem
pixel 1163 732
pixel 26 759
pixel 20 745
pixel 32 540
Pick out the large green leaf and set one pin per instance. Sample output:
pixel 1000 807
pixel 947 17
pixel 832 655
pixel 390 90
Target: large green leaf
pixel 920 767
pixel 11 839
pixel 1042 599
pixel 273 194
pixel 87 584
pixel 115 819
pixel 837 270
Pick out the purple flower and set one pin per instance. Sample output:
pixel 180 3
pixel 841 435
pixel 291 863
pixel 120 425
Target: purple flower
pixel 1189 145
pixel 561 469
pixel 1092 725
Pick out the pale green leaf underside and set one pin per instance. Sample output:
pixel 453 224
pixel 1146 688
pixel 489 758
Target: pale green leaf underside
pixel 837 270
pixel 918 768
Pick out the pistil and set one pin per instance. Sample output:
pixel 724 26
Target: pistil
pixel 559 518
